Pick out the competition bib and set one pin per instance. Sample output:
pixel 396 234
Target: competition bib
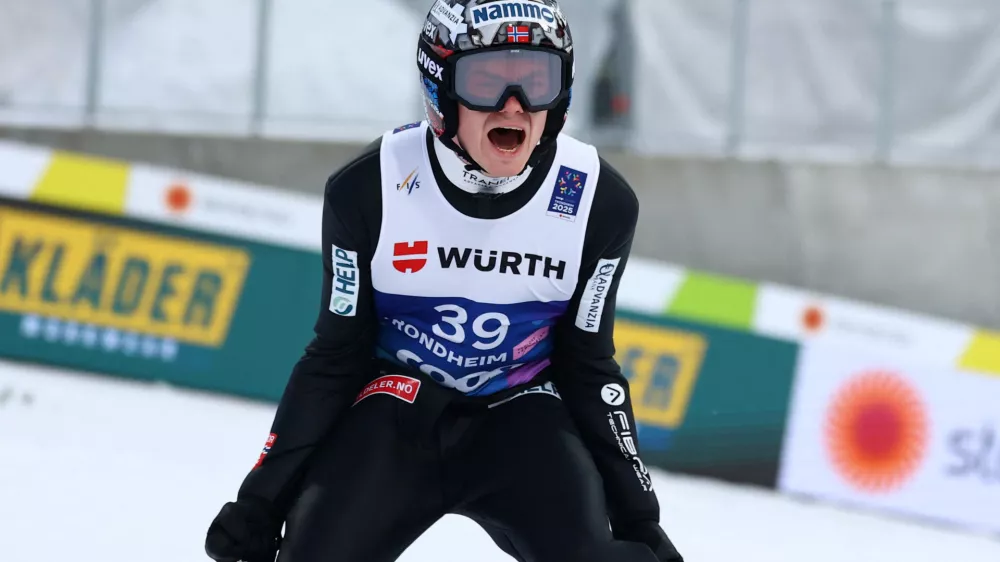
pixel 473 303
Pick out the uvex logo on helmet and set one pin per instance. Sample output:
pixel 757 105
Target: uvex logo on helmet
pixel 432 67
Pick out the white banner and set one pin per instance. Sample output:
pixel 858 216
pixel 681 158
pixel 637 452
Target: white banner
pixel 224 206
pixel 21 168
pixel 174 197
pixel 799 315
pixel 900 437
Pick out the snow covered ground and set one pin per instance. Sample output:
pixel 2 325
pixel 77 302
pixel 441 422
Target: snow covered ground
pixel 103 470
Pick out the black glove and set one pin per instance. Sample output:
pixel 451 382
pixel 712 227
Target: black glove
pixel 245 531
pixel 652 535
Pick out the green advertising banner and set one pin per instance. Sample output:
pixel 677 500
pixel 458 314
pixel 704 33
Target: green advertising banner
pixel 116 296
pixel 709 401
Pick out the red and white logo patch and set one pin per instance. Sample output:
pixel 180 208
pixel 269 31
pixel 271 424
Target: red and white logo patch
pixel 409 257
pixel 267 449
pixel 404 388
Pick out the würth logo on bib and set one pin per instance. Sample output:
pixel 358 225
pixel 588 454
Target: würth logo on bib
pixel 507 263
pixel 404 388
pixel 409 257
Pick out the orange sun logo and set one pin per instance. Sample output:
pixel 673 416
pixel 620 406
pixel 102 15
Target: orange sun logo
pixel 876 431
pixel 178 198
pixel 812 318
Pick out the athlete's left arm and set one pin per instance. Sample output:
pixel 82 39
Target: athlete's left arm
pixel 585 371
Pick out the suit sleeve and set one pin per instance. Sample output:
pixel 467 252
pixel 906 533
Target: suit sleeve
pixel 337 362
pixel 585 371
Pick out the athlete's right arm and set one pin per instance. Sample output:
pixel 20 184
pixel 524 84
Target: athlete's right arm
pixel 338 361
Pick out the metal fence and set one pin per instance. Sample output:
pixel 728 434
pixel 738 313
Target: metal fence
pixel 289 75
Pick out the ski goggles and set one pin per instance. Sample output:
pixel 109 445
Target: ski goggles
pixel 538 78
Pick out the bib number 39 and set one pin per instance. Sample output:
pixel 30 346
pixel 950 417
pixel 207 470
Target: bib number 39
pixel 490 328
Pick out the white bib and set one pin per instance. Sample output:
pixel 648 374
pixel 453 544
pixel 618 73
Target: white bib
pixel 472 302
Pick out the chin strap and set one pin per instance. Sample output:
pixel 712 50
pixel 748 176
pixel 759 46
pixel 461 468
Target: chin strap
pixel 470 163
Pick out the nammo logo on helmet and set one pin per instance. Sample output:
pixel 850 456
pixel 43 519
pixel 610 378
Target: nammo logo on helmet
pixel 495 12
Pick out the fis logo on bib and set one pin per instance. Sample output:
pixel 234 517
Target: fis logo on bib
pixel 344 296
pixel 588 317
pixel 411 182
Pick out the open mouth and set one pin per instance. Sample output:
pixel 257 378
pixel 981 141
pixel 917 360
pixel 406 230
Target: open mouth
pixel 507 139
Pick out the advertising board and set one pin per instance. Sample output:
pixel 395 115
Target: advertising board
pixel 708 400
pixel 896 436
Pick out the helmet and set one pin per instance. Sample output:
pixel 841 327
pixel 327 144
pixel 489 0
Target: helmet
pixel 458 35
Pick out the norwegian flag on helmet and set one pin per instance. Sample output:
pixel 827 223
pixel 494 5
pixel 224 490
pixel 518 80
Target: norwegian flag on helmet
pixel 518 33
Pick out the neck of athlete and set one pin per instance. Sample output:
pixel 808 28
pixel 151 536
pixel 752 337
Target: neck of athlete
pixel 474 182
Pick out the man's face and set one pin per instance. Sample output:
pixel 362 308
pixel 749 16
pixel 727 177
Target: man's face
pixel 501 142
